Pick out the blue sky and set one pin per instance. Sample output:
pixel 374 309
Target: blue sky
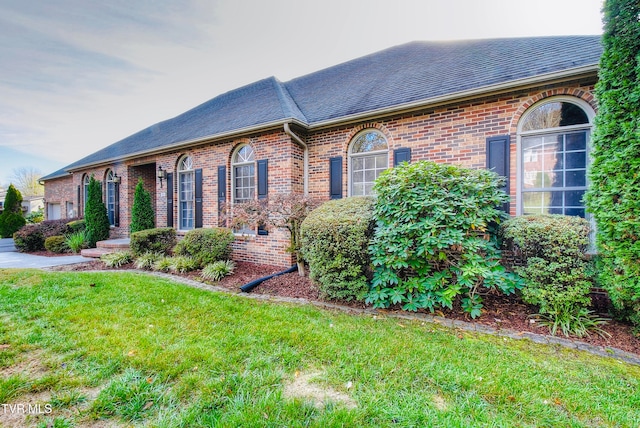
pixel 78 75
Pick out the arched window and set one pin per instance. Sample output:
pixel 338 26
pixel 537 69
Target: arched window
pixel 186 193
pixel 368 157
pixel 554 155
pixel 243 174
pixel 111 197
pixel 85 192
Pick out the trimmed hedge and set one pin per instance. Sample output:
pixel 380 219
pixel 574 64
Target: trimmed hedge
pixel 335 241
pixel 160 240
pixel 206 245
pixel 56 244
pixel 32 236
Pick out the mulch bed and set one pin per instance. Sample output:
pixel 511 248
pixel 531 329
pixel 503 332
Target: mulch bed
pixel 499 311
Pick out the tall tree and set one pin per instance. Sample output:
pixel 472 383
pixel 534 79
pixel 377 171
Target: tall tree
pixel 142 215
pixel 96 219
pixel 614 195
pixel 11 218
pixel 27 181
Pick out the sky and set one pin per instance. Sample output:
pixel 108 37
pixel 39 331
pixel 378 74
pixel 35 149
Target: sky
pixel 78 75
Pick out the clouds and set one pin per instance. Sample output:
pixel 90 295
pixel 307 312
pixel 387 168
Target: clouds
pixel 77 75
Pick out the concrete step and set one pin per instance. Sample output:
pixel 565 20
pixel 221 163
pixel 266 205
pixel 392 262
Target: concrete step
pixel 121 244
pixel 95 253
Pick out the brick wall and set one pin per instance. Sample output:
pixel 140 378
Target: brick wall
pixel 60 191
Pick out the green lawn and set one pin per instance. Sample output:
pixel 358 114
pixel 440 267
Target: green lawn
pixel 138 349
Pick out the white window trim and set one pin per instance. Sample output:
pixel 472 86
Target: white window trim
pixel 588 110
pixel 352 155
pixel 109 180
pixel 247 233
pixel 180 172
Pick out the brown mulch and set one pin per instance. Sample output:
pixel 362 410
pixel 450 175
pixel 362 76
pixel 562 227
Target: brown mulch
pixel 499 311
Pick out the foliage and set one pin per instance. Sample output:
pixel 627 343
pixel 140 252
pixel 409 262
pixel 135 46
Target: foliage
pixel 206 245
pixel 553 248
pixel 217 270
pixel 160 240
pixel 97 221
pixel 431 243
pixel 286 211
pixel 77 225
pixel 142 215
pixel 31 237
pixel 612 197
pixel 335 241
pixel 579 323
pixel 56 244
pixel 117 259
pixel 11 219
pixel 148 260
pixel 182 264
pixel 35 216
pixel 76 241
pixel 163 264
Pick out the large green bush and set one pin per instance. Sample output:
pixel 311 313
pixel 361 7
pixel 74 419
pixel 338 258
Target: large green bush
pixel 160 240
pixel 431 243
pixel 335 241
pixel 97 221
pixel 613 195
pixel 556 269
pixel 32 236
pixel 142 215
pixel 206 246
pixel 11 219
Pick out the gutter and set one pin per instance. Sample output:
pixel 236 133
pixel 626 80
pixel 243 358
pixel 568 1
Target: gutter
pixel 289 132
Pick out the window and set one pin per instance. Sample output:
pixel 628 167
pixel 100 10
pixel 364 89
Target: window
pixel 244 175
pixel 368 157
pixel 554 154
pixel 186 191
pixel 85 182
pixel 111 197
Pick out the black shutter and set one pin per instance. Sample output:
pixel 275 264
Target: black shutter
pixel 263 178
pixel 402 154
pixel 498 154
pixel 169 199
pixel 263 187
pixel 116 204
pixel 198 196
pixel 335 177
pixel 222 191
pixel 79 210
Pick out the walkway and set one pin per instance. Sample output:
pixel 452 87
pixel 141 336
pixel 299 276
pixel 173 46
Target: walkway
pixel 11 258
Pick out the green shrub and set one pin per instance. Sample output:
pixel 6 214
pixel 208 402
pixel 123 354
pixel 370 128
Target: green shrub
pixel 431 243
pixel 553 249
pixel 117 259
pixel 31 237
pixel 76 226
pixel 160 240
pixel 35 216
pixel 182 264
pixel 56 244
pixel 76 241
pixel 163 264
pixel 147 261
pixel 96 218
pixel 206 245
pixel 335 241
pixel 11 219
pixel 142 215
pixel 217 270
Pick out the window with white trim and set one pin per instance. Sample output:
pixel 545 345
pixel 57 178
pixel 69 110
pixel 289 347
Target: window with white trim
pixel 243 167
pixel 368 157
pixel 186 193
pixel 85 185
pixel 111 197
pixel 554 156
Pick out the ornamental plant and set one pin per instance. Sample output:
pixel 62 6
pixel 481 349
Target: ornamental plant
pixel 612 197
pixel 142 215
pixel 97 221
pixel 432 243
pixel 11 219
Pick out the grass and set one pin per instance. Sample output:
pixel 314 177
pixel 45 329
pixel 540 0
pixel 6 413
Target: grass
pixel 163 354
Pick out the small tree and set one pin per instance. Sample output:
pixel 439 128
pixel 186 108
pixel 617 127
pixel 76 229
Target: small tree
pixel 96 217
pixel 142 215
pixel 286 211
pixel 11 219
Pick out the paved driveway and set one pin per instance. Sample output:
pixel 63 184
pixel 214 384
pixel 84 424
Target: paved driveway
pixel 10 258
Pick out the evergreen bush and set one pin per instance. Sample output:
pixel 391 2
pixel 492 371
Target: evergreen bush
pixel 56 244
pixel 97 221
pixel 335 240
pixel 431 243
pixel 206 246
pixel 142 215
pixel 160 240
pixel 612 197
pixel 11 219
pixel 32 236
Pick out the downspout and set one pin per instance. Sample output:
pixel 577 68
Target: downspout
pixel 305 148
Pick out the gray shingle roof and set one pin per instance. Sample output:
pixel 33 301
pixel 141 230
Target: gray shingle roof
pixel 397 76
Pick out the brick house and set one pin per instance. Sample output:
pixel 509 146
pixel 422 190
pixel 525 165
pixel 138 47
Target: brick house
pixel 523 107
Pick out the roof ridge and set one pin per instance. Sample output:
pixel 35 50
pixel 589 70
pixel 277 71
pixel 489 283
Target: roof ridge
pixel 288 103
